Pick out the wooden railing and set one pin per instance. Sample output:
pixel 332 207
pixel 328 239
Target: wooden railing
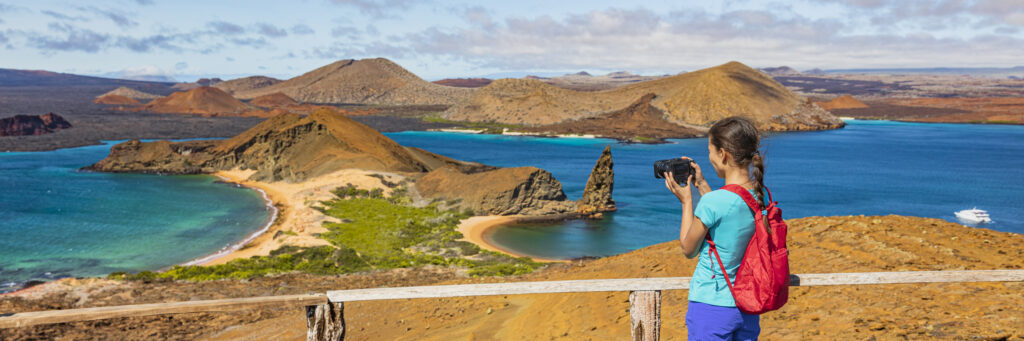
pixel 325 312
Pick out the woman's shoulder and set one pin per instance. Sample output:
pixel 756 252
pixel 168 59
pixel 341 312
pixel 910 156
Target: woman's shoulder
pixel 719 198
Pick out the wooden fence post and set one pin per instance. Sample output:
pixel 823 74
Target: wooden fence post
pixel 645 315
pixel 325 322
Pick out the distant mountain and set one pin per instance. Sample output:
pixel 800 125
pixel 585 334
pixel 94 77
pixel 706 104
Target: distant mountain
pixel 201 100
pixel 115 100
pixel 129 93
pixel 1016 70
pixel 365 81
pixel 274 100
pixel 842 102
pixel 13 77
pixel 781 71
pixel 246 84
pixel 696 98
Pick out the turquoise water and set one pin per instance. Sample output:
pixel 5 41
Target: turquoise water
pixel 869 167
pixel 57 221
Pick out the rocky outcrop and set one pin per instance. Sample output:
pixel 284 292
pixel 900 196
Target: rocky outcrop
pixel 597 195
pixel 504 191
pixel 21 125
pixel 640 122
pixel 807 116
pixel 285 147
pixel 158 157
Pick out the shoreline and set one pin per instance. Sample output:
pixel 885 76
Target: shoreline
pixel 474 228
pixel 269 204
pixel 296 222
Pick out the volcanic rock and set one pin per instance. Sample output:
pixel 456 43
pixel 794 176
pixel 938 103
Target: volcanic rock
pixel 597 195
pixel 842 102
pixel 504 191
pixel 201 100
pixel 365 81
pixel 246 84
pixel 130 93
pixel 640 122
pixel 695 98
pixel 274 100
pixel 21 125
pixel 115 100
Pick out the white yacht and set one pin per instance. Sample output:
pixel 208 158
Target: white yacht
pixel 974 216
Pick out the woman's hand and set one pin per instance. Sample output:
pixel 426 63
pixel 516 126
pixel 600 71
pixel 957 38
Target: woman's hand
pixel 682 192
pixel 698 177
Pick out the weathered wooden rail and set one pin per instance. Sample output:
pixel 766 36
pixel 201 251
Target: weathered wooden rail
pixel 325 312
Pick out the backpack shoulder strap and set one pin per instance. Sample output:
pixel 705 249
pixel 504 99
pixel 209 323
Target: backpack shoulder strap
pixel 743 193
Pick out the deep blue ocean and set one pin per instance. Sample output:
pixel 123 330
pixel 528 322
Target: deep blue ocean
pixel 867 168
pixel 57 221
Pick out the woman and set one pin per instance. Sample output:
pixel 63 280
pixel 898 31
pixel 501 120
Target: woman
pixel 733 151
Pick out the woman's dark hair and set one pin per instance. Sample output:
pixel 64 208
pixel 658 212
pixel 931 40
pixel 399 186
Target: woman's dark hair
pixel 740 138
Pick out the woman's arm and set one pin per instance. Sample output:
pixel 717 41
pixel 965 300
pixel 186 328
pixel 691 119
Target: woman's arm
pixel 691 230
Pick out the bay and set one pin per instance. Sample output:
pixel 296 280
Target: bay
pixel 867 168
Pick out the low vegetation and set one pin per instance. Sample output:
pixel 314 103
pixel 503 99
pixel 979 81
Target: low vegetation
pixel 373 232
pixel 488 127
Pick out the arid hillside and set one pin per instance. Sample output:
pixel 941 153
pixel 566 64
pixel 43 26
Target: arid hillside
pixel 364 81
pixel 696 98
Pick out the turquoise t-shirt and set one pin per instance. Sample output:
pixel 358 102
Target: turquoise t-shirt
pixel 730 224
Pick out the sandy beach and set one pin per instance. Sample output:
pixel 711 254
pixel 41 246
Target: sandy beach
pixel 474 228
pixel 297 222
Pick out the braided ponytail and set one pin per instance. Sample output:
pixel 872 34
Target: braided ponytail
pixel 757 174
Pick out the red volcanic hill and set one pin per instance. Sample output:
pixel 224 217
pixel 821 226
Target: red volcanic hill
pixel 115 100
pixel 842 102
pixel 21 125
pixel 464 82
pixel 274 100
pixel 201 100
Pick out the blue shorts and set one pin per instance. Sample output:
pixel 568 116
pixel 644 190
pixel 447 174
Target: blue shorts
pixel 711 322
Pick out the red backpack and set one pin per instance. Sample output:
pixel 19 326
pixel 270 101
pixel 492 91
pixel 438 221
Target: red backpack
pixel 762 279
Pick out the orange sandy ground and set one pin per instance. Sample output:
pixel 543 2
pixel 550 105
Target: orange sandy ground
pixel 818 245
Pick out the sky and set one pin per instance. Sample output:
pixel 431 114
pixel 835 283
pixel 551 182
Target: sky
pixel 185 40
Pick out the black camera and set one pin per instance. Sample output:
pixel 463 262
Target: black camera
pixel 680 168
